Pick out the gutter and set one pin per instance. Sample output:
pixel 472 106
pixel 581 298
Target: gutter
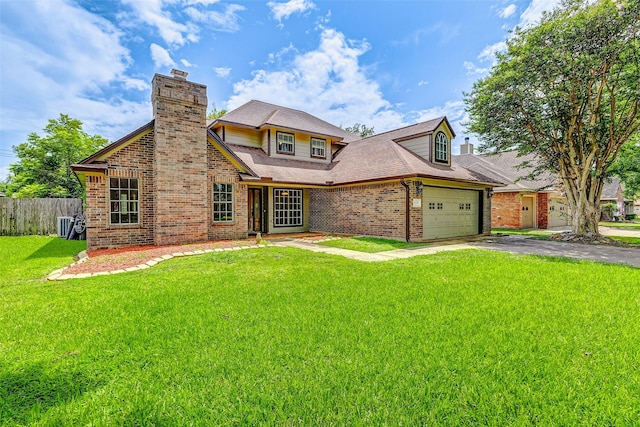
pixel 406 211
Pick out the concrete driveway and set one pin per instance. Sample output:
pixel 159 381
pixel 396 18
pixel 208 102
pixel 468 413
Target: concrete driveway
pixel 523 245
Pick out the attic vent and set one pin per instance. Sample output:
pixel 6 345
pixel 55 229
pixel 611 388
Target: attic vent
pixel 179 74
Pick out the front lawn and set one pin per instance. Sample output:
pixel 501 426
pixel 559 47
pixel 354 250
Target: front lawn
pixel 369 244
pixel 280 336
pixel 623 225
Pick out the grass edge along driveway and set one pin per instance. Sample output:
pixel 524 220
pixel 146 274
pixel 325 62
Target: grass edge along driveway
pixel 284 336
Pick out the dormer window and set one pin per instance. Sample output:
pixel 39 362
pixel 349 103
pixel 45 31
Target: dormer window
pixel 319 148
pixel 286 143
pixel 441 148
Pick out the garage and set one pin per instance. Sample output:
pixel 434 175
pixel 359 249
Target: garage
pixel 449 212
pixel 558 212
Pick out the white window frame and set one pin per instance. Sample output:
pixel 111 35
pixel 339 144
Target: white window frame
pixel 124 201
pixel 441 148
pixel 285 140
pixel 319 148
pixel 223 202
pixel 287 207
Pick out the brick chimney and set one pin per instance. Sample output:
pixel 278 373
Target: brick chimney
pixel 179 159
pixel 466 148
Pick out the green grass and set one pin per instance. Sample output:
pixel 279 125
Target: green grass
pixel 279 336
pixel 624 225
pixel 369 244
pixel 627 239
pixel 535 232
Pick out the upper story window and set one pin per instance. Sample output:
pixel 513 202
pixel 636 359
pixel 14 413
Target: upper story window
pixel 286 143
pixel 318 148
pixel 442 148
pixel 123 200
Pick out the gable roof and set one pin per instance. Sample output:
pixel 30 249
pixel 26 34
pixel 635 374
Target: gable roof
pixel 258 115
pixel 504 167
pixel 374 158
pixel 610 188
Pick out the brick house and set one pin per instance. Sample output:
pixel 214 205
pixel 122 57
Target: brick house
pixel 263 168
pixel 522 203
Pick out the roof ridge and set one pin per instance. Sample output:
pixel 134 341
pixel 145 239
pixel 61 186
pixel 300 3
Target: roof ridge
pixel 403 127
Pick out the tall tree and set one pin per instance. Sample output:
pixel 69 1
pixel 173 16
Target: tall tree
pixel 627 167
pixel 215 113
pixel 567 90
pixel 44 168
pixel 360 130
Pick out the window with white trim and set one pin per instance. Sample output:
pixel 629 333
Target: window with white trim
pixel 123 201
pixel 441 148
pixel 222 202
pixel 319 148
pixel 287 207
pixel 286 143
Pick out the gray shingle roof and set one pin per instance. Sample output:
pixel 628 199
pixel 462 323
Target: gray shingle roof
pixel 504 167
pixel 258 114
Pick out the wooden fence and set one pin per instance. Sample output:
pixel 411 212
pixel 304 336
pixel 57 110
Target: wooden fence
pixel 20 217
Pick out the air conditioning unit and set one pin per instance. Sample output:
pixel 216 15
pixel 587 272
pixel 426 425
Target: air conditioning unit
pixel 64 225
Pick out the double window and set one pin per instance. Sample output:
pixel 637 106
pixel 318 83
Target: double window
pixel 287 207
pixel 318 148
pixel 441 148
pixel 286 143
pixel 123 200
pixel 222 202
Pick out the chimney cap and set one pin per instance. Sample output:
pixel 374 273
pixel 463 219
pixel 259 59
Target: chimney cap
pixel 179 74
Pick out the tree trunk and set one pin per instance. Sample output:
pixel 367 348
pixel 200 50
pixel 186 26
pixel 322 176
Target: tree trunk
pixel 584 217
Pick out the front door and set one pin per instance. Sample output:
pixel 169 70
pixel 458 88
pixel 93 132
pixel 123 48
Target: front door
pixel 527 212
pixel 255 210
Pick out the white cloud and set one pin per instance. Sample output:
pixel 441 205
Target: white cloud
pixel 161 56
pixel 474 69
pixel 186 63
pixel 66 65
pixel 222 71
pixel 327 82
pixel 152 13
pixel 534 11
pixel 489 52
pixel 507 11
pixel 282 11
pixel 423 83
pixel 226 21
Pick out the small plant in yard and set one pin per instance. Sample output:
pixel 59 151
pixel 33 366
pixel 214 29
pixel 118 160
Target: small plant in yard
pixel 280 336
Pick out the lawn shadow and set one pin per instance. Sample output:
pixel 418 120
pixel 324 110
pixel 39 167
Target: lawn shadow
pixel 58 248
pixel 28 393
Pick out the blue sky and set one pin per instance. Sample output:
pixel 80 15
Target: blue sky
pixel 385 64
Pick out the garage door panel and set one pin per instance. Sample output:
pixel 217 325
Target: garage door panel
pixel 449 212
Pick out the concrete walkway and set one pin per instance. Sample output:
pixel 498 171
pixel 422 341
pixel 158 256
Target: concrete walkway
pixel 511 243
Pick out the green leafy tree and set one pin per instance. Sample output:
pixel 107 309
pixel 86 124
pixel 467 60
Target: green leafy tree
pixel 215 113
pixel 44 168
pixel 360 130
pixel 567 90
pixel 627 167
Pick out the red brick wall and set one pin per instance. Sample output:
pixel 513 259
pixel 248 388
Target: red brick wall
pixel 133 161
pixel 505 210
pixel 180 161
pixel 370 210
pixel 542 210
pixel 487 203
pixel 220 170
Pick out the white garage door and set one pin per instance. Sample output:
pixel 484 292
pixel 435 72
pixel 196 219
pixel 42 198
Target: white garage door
pixel 449 213
pixel 558 212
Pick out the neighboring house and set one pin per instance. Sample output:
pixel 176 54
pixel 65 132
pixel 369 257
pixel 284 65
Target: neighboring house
pixel 522 203
pixel 612 192
pixel 267 169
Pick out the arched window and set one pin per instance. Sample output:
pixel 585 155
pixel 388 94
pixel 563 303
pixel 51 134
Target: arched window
pixel 442 148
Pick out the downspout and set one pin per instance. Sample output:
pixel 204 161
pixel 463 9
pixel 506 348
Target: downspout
pixel 407 213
